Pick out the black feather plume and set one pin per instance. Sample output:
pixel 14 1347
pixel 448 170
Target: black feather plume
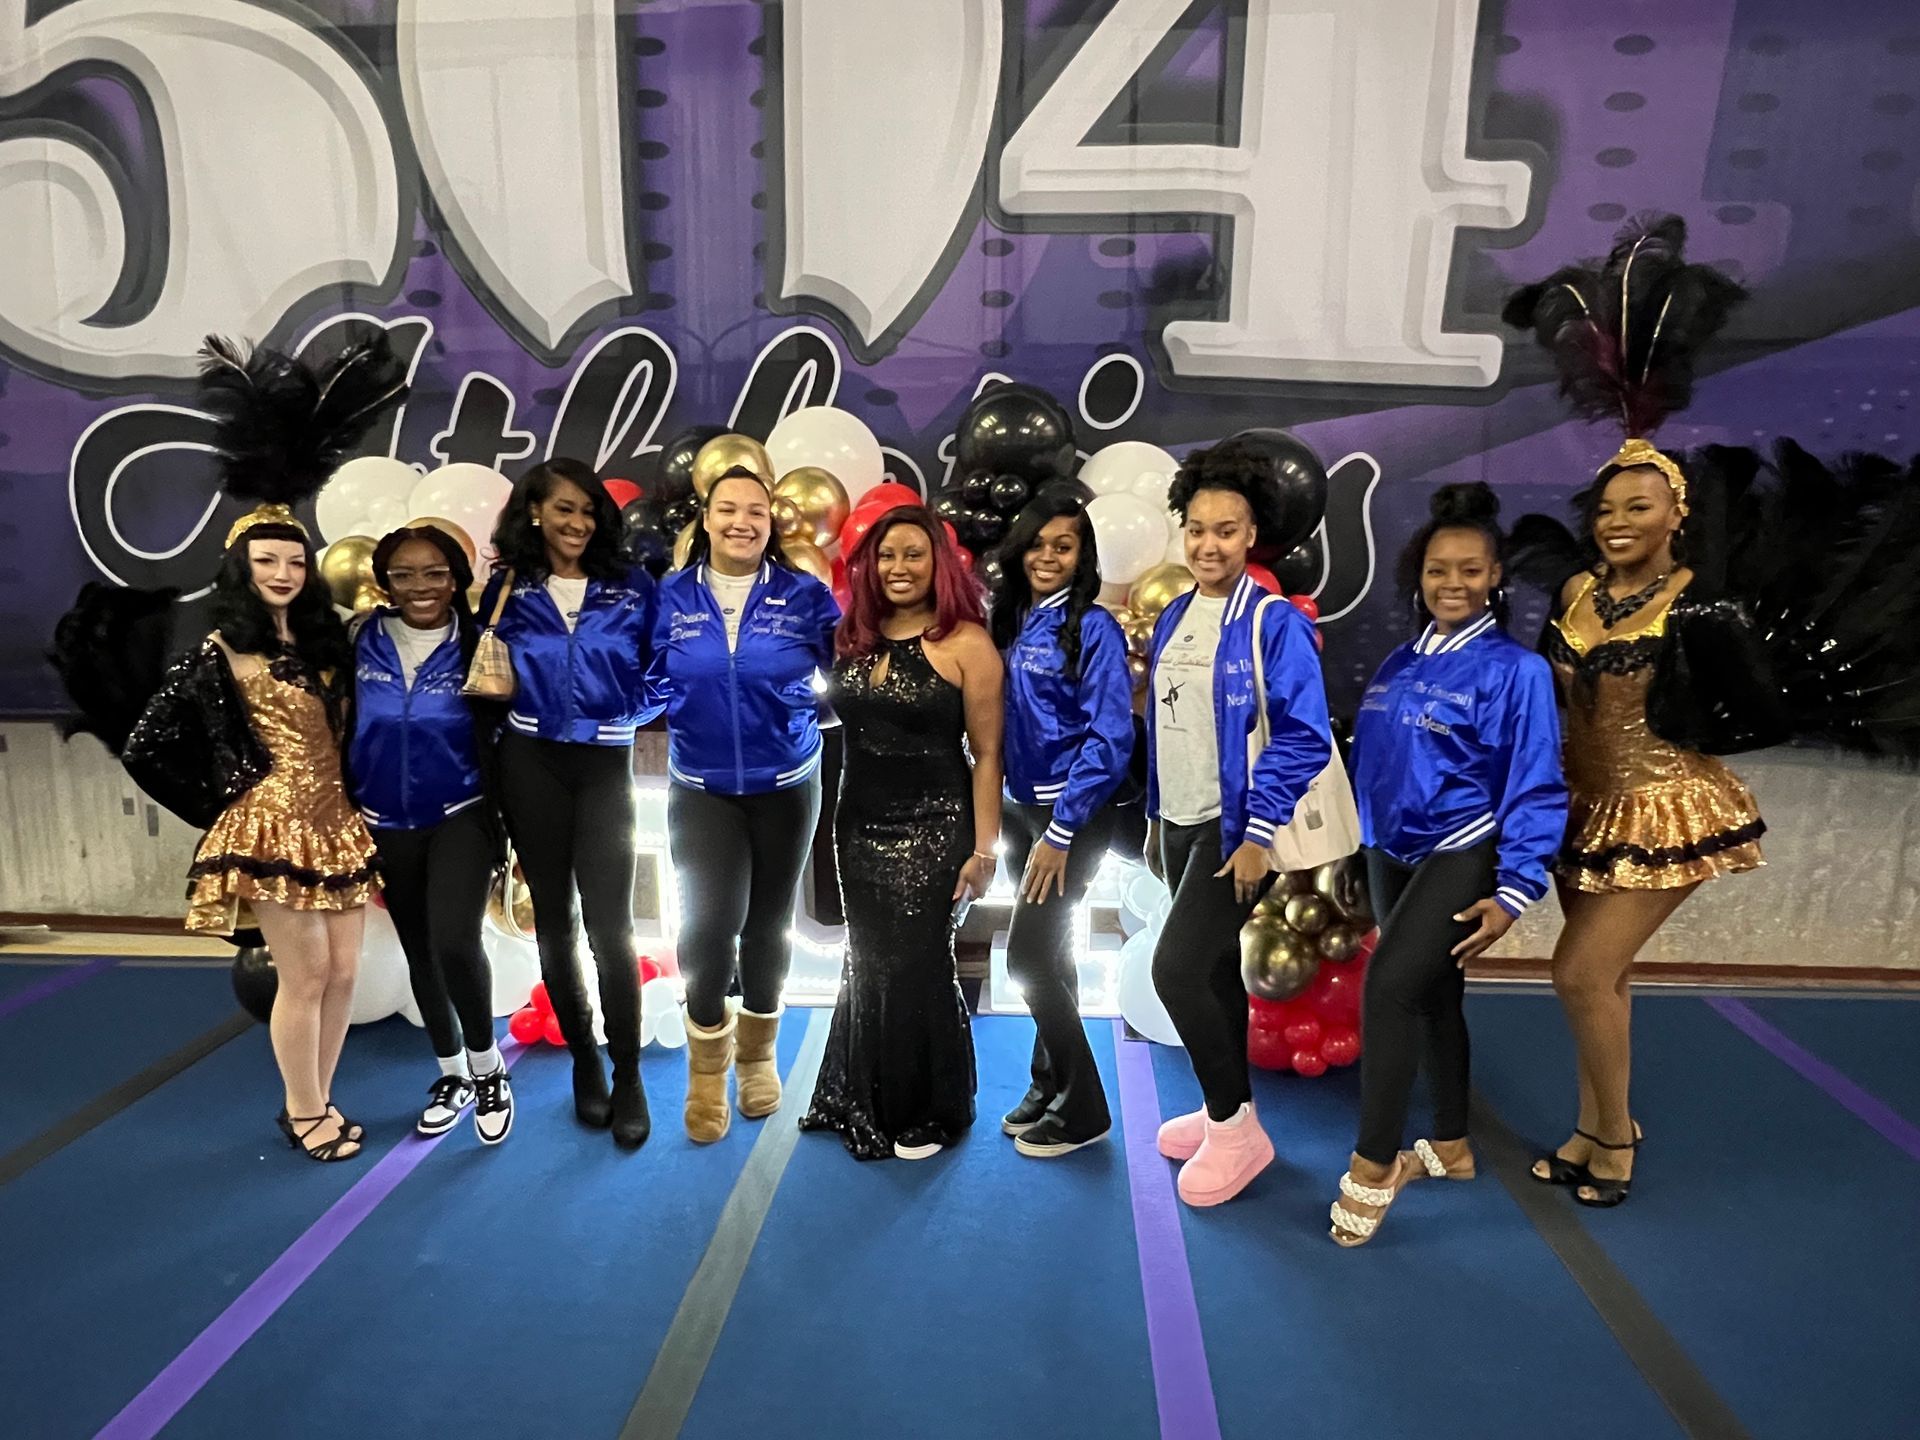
pixel 286 424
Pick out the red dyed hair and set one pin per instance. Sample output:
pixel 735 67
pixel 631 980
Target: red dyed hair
pixel 956 598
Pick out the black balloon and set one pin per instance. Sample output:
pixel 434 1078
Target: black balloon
pixel 1016 430
pixel 984 526
pixel 1302 481
pixel 255 982
pixel 1008 494
pixel 1298 571
pixel 977 488
pixel 643 541
pixel 951 505
pixel 676 462
pixel 680 514
pixel 990 571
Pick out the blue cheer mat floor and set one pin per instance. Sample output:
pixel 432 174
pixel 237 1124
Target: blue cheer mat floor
pixel 171 1267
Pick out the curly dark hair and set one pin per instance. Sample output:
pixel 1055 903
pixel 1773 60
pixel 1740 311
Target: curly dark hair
pixel 1013 598
pixel 246 623
pixel 1239 467
pixel 518 544
pixel 701 546
pixel 1471 506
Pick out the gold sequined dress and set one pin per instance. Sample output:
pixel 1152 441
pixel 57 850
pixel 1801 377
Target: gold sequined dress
pixel 293 838
pixel 1643 814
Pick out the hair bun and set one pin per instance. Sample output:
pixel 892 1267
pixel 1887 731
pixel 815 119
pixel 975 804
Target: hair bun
pixel 1473 503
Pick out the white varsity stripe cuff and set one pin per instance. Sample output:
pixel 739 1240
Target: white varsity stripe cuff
pixel 1058 836
pixel 1261 830
pixel 1514 902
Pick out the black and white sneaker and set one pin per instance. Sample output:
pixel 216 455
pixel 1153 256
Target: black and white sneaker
pixel 1027 1114
pixel 451 1094
pixel 1051 1138
pixel 493 1109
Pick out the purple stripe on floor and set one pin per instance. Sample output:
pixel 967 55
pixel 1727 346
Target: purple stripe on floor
pixel 168 1392
pixel 1181 1381
pixel 63 978
pixel 1870 1108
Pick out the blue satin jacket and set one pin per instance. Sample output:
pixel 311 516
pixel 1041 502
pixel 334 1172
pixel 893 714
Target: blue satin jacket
pixel 587 685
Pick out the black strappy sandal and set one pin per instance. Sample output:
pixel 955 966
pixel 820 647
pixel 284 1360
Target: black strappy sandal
pixel 1607 1193
pixel 353 1129
pixel 327 1151
pixel 1560 1170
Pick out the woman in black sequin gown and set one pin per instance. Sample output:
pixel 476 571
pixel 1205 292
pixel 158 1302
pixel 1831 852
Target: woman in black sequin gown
pixel 915 834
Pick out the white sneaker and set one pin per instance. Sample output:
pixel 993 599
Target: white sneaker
pixel 451 1094
pixel 493 1107
pixel 904 1151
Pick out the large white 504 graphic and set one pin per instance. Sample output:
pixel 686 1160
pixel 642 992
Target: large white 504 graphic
pixel 1344 190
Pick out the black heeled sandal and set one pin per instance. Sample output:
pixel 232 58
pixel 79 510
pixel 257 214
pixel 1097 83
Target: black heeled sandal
pixel 327 1151
pixel 1560 1170
pixel 352 1129
pixel 1607 1193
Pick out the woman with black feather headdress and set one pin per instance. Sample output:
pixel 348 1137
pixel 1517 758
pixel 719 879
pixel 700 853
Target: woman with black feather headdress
pixel 242 738
pixel 1652 812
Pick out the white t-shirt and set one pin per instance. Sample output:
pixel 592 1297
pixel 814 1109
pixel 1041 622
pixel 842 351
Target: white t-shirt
pixel 1186 746
pixel 569 595
pixel 414 645
pixel 730 593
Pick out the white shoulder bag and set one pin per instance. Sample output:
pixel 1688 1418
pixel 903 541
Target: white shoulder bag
pixel 1325 825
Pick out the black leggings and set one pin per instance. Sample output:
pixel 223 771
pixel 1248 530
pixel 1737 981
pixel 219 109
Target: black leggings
pixel 1196 964
pixel 570 811
pixel 436 892
pixel 1040 959
pixel 1415 990
pixel 738 860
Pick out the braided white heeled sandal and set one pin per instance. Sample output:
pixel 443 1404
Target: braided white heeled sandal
pixel 1350 1228
pixel 1424 1152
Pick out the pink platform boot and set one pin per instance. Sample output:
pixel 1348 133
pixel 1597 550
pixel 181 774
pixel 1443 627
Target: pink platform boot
pixel 1233 1152
pixel 1180 1137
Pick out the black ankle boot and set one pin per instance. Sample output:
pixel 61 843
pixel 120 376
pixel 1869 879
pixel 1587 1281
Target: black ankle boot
pixel 591 1103
pixel 631 1123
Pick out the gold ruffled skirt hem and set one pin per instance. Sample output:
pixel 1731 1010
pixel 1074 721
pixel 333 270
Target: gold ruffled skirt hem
pixel 250 855
pixel 1661 837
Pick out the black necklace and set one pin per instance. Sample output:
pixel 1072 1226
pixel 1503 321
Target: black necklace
pixel 1612 611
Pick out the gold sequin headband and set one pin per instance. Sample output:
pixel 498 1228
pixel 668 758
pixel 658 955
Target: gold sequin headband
pixel 264 515
pixel 1639 452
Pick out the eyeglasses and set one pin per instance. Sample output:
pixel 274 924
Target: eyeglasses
pixel 438 575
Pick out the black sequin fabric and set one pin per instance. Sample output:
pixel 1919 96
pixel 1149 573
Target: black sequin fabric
pixel 899 1059
pixel 194 748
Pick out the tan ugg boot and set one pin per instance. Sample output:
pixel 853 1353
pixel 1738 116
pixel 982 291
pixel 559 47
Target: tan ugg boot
pixel 709 1058
pixel 756 1072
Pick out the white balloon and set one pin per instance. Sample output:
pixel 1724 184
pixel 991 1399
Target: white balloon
pixel 516 969
pixel 661 998
pixel 384 516
pixel 468 494
pixel 1176 542
pixel 1141 895
pixel 382 986
pixel 346 505
pixel 835 441
pixel 1130 533
pixel 1118 468
pixel 1140 1004
pixel 1153 489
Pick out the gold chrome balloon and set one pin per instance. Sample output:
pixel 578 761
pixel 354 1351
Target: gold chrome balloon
pixel 368 597
pixel 722 453
pixel 1344 883
pixel 1309 914
pixel 788 522
pixel 1159 588
pixel 347 565
pixel 810 558
pixel 1138 668
pixel 510 904
pixel 1139 633
pixel 465 540
pixel 683 544
pixel 1275 963
pixel 1339 943
pixel 820 497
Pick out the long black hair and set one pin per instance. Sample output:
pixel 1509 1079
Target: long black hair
pixel 1471 506
pixel 246 623
pixel 517 542
pixel 465 626
pixel 702 545
pixel 1013 598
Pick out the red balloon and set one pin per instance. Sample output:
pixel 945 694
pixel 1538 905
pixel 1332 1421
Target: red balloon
pixel 650 969
pixel 884 496
pixel 858 523
pixel 540 1000
pixel 1264 578
pixel 1335 992
pixel 1267 1049
pixel 1340 1045
pixel 1267 1014
pixel 624 492
pixel 550 1028
pixel 1305 604
pixel 525 1026
pixel 1309 1063
pixel 842 594
pixel 1303 1033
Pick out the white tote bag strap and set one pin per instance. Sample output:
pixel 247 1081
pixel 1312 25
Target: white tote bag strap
pixel 1325 826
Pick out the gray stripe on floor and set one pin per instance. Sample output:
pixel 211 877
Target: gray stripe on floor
pixel 688 1348
pixel 1669 1372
